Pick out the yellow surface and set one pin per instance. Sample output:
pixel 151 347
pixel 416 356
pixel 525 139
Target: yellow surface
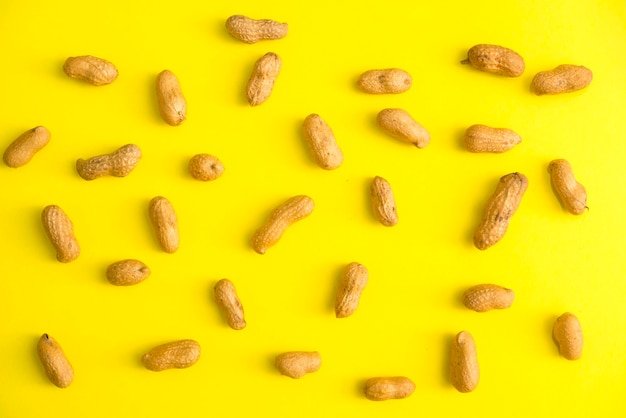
pixel 411 308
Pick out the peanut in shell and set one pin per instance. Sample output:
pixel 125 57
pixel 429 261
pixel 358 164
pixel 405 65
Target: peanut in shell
pixel 93 70
pixel 25 146
pixel 170 98
pixel 464 368
pixel 386 388
pixel 565 78
pixel 483 138
pixel 568 335
pixel 485 297
pixel 399 124
pixel 495 59
pixel 55 363
pixel 385 81
pixel 165 223
pixel 174 355
pixel 296 364
pixel 321 142
pixel 570 192
pixel 60 231
pixel 250 30
pixel 353 281
pixel 261 81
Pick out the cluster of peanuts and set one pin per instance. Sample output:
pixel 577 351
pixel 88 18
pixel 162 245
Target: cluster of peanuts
pixel 325 151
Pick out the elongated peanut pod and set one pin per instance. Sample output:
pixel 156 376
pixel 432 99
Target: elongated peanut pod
pixel 127 272
pixel 482 138
pixel 118 164
pixel 495 59
pixel 484 297
pixel 24 148
pixel 60 231
pixel 400 124
pixel 322 143
pixel 571 193
pixel 296 364
pixel 262 79
pixel 565 78
pixel 568 335
pixel 172 103
pixel 383 202
pixel 93 70
pixel 386 388
pixel 227 299
pixel 55 363
pixel 174 355
pixel 464 370
pixel 165 223
pixel 386 81
pixel 353 281
pixel 250 30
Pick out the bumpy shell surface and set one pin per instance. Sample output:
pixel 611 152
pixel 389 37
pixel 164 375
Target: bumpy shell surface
pixel 495 59
pixel 565 78
pixel 172 103
pixel 250 30
pixel 322 143
pixel 464 369
pixel 127 272
pixel 296 364
pixel 400 124
pixel 60 230
pixel 482 138
pixel 386 81
pixel 386 388
pixel 227 299
pixel 117 164
pixel 205 167
pixel 383 202
pixel 262 79
pixel 484 297
pixel 55 363
pixel 571 193
pixel 22 150
pixel 93 70
pixel 568 334
pixel 353 281
pixel 175 355
pixel 165 223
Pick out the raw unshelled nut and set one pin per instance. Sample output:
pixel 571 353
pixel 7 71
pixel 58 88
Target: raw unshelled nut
pixel 55 363
pixel 118 164
pixel 571 193
pixel 127 272
pixel 175 355
pixel 253 30
pixel 482 138
pixel 321 140
pixel 383 202
pixel 484 297
pixel 568 335
pixel 205 167
pixel 172 103
pixel 400 124
pixel 292 210
pixel 499 209
pixel 387 81
pixel 227 299
pixel 464 370
pixel 296 364
pixel 262 79
pixel 22 149
pixel 94 70
pixel 60 231
pixel 495 59
pixel 353 281
pixel 385 388
pixel 565 78
pixel 165 223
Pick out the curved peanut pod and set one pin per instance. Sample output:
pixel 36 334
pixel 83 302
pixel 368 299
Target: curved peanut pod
pixel 250 30
pixel 118 164
pixel 175 355
pixel 296 364
pixel 127 272
pixel 386 388
pixel 60 231
pixel 227 299
pixel 93 70
pixel 482 138
pixel 400 124
pixel 565 78
pixel 165 223
pixel 321 140
pixel 464 370
pixel 353 281
pixel 24 148
pixel 571 193
pixel 383 202
pixel 172 103
pixel 262 79
pixel 568 334
pixel 387 81
pixel 495 59
pixel 55 363
pixel 484 297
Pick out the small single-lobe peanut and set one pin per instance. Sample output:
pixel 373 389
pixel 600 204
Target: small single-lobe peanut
pixel 127 272
pixel 205 167
pixel 322 143
pixel 464 370
pixel 262 79
pixel 571 193
pixel 165 223
pixel 386 388
pixel 24 148
pixel 250 30
pixel 118 164
pixel 484 297
pixel 482 138
pixel 227 299
pixel 175 355
pixel 568 335
pixel 55 363
pixel 60 231
pixel 565 78
pixel 499 209
pixel 172 103
pixel 386 81
pixel 296 364
pixel 353 281
pixel 400 124
pixel 383 202
pixel 495 59
pixel 93 70
pixel 292 210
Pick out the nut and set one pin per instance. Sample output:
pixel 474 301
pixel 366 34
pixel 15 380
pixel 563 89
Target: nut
pixel 205 167
pixel 464 370
pixel 24 148
pixel 127 272
pixel 175 355
pixel 390 80
pixel 484 297
pixel 568 335
pixel 399 124
pixel 93 70
pixel 253 30
pixel 118 164
pixel 226 298
pixel 499 209
pixel 321 140
pixel 172 104
pixel 383 202
pixel 57 366
pixel 565 78
pixel 296 364
pixel 571 193
pixel 353 281
pixel 60 231
pixel 165 223
pixel 292 210
pixel 385 388
pixel 262 79
pixel 495 59
pixel 482 138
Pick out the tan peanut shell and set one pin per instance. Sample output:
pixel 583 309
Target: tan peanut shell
pixel 495 59
pixel 482 138
pixel 25 146
pixel 400 124
pixel 383 202
pixel 353 281
pixel 571 193
pixel 386 388
pixel 464 369
pixel 565 78
pixel 55 363
pixel 385 81
pixel 118 164
pixel 484 297
pixel 261 82
pixel 227 299
pixel 296 364
pixel 499 209
pixel 292 210
pixel 93 70
pixel 172 103
pixel 568 335
pixel 250 30
pixel 175 355
pixel 205 167
pixel 60 231
pixel 322 143
pixel 165 223
pixel 127 272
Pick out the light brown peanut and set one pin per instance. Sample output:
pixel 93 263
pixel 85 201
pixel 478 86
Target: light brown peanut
pixel 175 355
pixel 484 297
pixel 227 299
pixel 568 335
pixel 296 364
pixel 165 223
pixel 495 59
pixel 386 81
pixel 118 164
pixel 93 70
pixel 322 143
pixel 172 103
pixel 499 209
pixel 292 210
pixel 400 124
pixel 353 281
pixel 383 202
pixel 482 138
pixel 464 370
pixel 24 148
pixel 386 388
pixel 571 193
pixel 261 82
pixel 250 30
pixel 55 363
pixel 60 231
pixel 205 167
pixel 127 272
pixel 565 78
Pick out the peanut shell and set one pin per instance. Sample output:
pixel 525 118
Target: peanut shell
pixel 568 335
pixel 227 299
pixel 386 388
pixel 296 364
pixel 386 81
pixel 571 193
pixel 165 223
pixel 262 79
pixel 24 148
pixel 250 30
pixel 400 124
pixel 565 78
pixel 322 143
pixel 117 164
pixel 205 167
pixel 383 202
pixel 495 59
pixel 353 281
pixel 482 138
pixel 484 297
pixel 172 103
pixel 175 355
pixel 93 70
pixel 464 370
pixel 60 231
pixel 55 363
pixel 127 272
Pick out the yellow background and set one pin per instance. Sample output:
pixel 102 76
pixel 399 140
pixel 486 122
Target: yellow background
pixel 411 308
